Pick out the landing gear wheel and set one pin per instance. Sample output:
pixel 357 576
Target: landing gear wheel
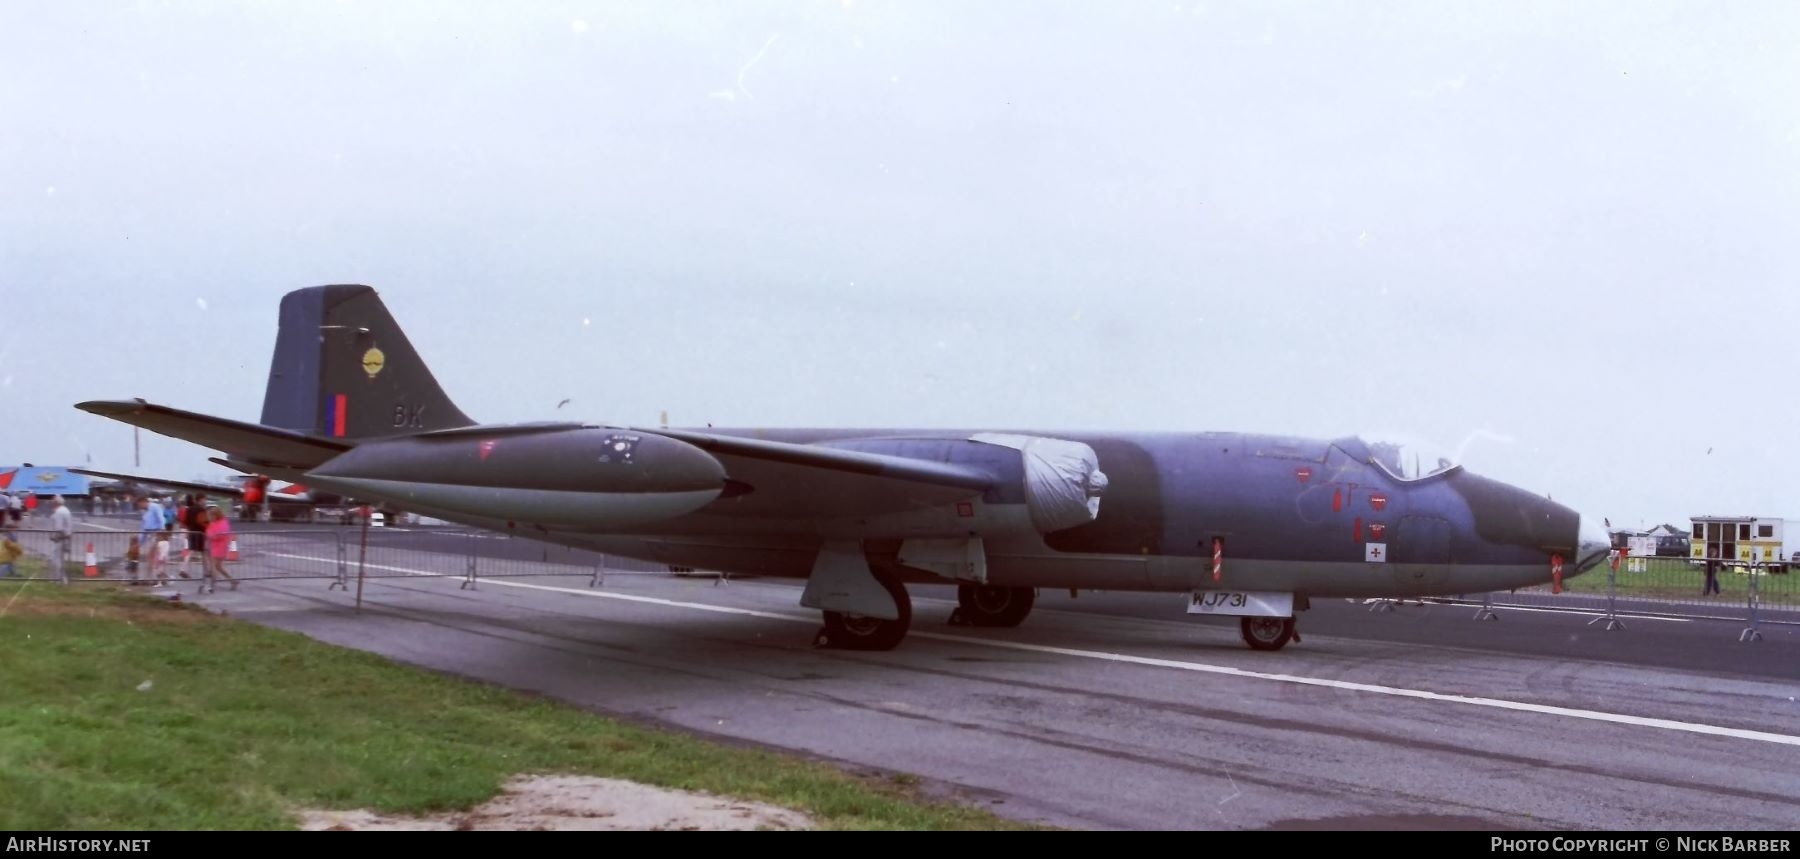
pixel 856 632
pixel 996 606
pixel 1268 633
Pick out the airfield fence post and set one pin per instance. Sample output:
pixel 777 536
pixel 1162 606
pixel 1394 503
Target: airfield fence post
pixel 1487 607
pixel 599 573
pixel 468 583
pixel 1612 582
pixel 1751 633
pixel 342 582
pixel 208 579
pixel 362 559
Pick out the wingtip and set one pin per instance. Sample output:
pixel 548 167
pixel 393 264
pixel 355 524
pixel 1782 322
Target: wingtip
pixel 112 407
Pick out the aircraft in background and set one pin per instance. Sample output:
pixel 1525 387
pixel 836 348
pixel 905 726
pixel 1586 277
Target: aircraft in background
pixel 1247 526
pixel 257 493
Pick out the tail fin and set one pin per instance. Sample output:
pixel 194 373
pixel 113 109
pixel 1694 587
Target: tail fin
pixel 343 369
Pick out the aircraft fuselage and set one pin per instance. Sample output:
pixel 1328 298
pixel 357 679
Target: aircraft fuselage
pixel 1307 516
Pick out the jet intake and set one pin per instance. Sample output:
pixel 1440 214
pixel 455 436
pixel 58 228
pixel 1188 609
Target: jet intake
pixel 1063 480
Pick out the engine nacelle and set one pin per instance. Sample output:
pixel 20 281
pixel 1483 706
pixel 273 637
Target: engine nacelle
pixel 1063 481
pixel 1046 485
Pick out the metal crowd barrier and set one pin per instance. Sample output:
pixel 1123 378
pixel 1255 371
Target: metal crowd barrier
pixel 342 555
pixel 1754 592
pixel 169 557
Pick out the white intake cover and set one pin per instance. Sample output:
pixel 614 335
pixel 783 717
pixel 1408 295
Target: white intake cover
pixel 1063 480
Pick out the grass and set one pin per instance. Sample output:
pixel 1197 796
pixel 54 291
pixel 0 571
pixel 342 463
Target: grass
pixel 120 711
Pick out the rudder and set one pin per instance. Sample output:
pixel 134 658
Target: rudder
pixel 343 368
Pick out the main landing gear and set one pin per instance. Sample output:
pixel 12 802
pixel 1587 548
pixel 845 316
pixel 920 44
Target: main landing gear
pixel 992 605
pixel 1269 633
pixel 977 605
pixel 845 631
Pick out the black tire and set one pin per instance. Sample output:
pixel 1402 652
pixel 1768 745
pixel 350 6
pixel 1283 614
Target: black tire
pixel 1267 633
pixel 994 605
pixel 855 632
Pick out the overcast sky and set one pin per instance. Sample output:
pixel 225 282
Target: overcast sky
pixel 1565 237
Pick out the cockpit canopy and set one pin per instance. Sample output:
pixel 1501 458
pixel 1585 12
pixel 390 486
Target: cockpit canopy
pixel 1404 458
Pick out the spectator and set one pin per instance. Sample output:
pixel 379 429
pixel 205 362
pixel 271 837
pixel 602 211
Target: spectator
pixel 149 525
pixel 10 552
pixel 62 530
pixel 195 522
pixel 218 543
pixel 159 557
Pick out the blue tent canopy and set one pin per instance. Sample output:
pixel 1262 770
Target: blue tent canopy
pixel 41 480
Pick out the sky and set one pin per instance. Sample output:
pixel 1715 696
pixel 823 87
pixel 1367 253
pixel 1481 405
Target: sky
pixel 1560 238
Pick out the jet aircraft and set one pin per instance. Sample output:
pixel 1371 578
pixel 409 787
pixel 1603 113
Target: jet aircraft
pixel 251 489
pixel 1246 525
pixel 256 492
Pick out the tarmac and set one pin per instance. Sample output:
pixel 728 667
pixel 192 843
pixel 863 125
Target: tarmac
pixel 1119 711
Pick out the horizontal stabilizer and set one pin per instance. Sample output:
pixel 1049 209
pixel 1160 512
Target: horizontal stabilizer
pixel 233 464
pixel 240 440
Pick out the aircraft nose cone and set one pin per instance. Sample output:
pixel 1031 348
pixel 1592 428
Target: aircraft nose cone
pixel 1592 545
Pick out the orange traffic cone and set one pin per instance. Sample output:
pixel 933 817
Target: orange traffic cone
pixel 93 564
pixel 231 553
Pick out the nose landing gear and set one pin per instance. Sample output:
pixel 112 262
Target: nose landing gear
pixel 1268 633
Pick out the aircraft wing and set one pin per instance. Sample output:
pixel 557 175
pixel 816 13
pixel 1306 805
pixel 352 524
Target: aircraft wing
pixel 246 441
pixel 785 479
pixel 184 485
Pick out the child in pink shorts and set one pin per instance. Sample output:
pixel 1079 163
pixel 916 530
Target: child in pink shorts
pixel 218 542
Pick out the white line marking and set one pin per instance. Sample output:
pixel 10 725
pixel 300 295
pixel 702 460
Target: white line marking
pixel 1595 715
pixel 1198 667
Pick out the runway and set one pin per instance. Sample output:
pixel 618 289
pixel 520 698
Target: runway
pixel 1116 711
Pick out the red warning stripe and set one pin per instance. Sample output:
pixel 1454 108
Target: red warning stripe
pixel 338 413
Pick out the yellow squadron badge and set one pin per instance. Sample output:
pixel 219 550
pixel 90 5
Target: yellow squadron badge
pixel 372 362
